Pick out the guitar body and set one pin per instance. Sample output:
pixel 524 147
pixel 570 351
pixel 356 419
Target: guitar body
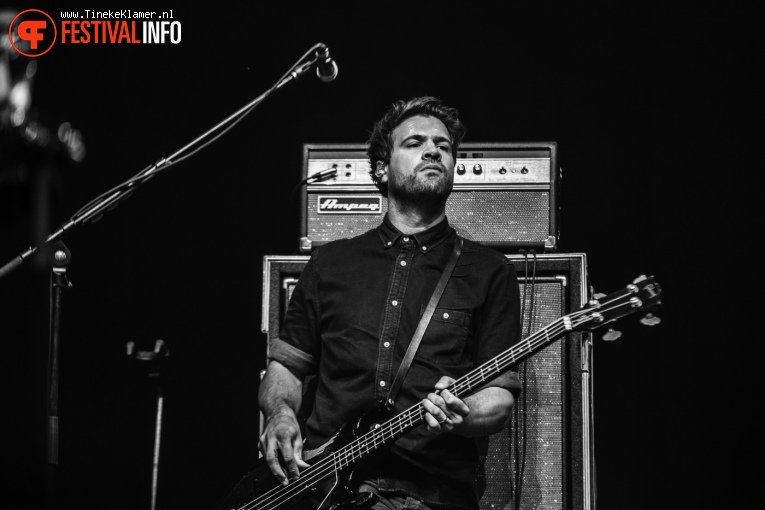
pixel 254 483
pixel 339 487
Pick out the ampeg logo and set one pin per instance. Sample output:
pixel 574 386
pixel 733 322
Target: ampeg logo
pixel 343 204
pixel 32 33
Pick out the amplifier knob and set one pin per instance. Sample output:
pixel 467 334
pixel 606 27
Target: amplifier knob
pixel 477 169
pixel 503 171
pixel 460 169
pixel 524 170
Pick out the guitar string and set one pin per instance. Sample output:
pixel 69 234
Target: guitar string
pixel 347 455
pixel 406 420
pixel 400 422
pixel 507 358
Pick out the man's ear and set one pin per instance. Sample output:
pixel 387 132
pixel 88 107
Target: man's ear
pixel 382 171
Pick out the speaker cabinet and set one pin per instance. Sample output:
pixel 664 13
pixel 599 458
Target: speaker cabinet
pixel 543 459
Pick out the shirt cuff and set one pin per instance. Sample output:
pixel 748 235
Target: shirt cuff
pixel 298 362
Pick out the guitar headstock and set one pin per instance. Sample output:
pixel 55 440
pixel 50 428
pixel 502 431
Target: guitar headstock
pixel 643 294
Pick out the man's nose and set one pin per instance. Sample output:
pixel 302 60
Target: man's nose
pixel 431 151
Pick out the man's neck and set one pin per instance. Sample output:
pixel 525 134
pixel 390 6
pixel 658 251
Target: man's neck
pixel 411 220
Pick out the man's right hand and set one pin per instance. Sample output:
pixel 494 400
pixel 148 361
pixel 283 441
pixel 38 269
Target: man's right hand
pixel 282 445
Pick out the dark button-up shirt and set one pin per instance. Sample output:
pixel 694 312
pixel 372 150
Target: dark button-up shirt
pixel 350 320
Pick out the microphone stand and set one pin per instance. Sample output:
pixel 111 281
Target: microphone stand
pixel 60 255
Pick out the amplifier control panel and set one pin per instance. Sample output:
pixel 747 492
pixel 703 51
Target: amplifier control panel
pixel 471 168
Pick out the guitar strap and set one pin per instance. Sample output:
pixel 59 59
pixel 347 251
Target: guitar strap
pixel 423 325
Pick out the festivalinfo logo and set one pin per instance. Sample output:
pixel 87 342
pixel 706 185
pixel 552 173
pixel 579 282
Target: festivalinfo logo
pixel 33 32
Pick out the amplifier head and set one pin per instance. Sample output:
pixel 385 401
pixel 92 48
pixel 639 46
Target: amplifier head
pixel 505 195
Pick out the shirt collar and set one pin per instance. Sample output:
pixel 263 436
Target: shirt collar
pixel 426 240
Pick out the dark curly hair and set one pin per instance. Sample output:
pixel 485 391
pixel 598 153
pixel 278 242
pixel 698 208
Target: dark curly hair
pixel 381 139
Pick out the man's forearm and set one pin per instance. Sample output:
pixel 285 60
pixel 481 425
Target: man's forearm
pixel 489 412
pixel 281 443
pixel 279 390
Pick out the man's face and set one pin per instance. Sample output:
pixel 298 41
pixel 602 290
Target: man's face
pixel 421 164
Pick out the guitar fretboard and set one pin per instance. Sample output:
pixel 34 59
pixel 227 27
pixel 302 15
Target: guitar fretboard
pixel 384 433
pixel 614 306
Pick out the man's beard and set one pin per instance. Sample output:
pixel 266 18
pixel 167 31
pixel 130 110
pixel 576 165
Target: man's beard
pixel 414 192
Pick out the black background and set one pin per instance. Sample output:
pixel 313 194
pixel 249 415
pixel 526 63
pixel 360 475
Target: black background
pixel 655 124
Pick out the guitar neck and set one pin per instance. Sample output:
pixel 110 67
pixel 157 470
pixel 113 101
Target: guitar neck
pixel 642 294
pixel 389 431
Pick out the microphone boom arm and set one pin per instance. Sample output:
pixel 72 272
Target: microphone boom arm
pixel 110 199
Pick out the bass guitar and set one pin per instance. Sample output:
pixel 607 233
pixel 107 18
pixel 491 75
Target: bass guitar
pixel 329 481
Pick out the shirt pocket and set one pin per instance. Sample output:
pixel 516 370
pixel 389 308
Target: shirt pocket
pixel 445 338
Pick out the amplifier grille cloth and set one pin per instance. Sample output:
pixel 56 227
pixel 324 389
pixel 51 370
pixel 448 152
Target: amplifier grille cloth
pixel 496 216
pixel 540 408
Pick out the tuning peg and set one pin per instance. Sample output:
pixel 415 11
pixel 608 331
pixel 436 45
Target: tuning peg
pixel 599 295
pixel 639 279
pixel 611 335
pixel 650 319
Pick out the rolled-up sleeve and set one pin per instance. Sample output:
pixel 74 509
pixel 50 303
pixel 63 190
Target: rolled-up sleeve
pixel 298 346
pixel 500 325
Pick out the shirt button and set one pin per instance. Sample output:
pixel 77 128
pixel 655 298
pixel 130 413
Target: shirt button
pixel 394 302
pixel 446 316
pixel 424 248
pixel 403 262
pixel 406 239
pixel 390 242
pixel 387 344
pixel 382 383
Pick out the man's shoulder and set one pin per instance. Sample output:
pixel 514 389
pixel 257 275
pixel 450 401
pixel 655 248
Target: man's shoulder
pixel 343 247
pixel 485 254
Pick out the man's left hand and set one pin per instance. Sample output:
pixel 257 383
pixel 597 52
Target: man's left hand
pixel 445 412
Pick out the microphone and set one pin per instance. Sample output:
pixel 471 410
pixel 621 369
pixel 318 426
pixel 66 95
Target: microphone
pixel 326 69
pixel 318 176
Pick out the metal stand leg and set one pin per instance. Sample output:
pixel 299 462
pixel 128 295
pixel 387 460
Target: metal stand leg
pixel 152 360
pixel 157 442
